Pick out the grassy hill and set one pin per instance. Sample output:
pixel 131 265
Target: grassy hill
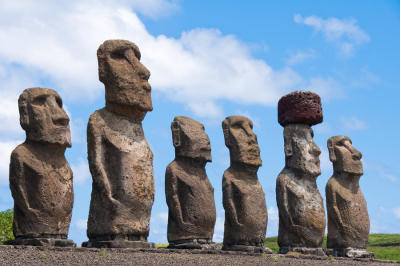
pixel 385 246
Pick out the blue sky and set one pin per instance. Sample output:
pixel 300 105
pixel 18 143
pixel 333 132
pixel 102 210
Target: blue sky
pixel 211 59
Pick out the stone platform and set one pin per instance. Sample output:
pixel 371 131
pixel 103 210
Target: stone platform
pixel 50 242
pixel 118 244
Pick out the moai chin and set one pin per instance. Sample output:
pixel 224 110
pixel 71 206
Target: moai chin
pixel 40 176
pixel 189 194
pixel 243 197
pixel 120 159
pixel 301 208
pixel 348 221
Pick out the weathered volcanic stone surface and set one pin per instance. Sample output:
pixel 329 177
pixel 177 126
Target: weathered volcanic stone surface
pixel 120 159
pixel 348 221
pixel 301 209
pixel 243 197
pixel 189 193
pixel 40 176
pixel 300 107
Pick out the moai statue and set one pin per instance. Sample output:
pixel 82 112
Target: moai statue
pixel 40 176
pixel 189 194
pixel 243 197
pixel 301 209
pixel 120 159
pixel 348 221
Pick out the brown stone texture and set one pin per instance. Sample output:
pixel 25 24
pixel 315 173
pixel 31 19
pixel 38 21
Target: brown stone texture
pixel 189 193
pixel 243 197
pixel 348 221
pixel 120 159
pixel 40 176
pixel 300 107
pixel 301 209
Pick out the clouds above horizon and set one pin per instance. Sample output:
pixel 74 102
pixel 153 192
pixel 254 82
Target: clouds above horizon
pixel 344 33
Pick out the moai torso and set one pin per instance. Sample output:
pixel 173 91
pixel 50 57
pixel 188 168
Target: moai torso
pixel 348 221
pixel 245 208
pixel 40 176
pixel 301 210
pixel 121 164
pixel 243 197
pixel 189 193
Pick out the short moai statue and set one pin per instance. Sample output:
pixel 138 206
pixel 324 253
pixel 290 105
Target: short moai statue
pixel 348 221
pixel 120 159
pixel 301 209
pixel 189 193
pixel 243 197
pixel 40 176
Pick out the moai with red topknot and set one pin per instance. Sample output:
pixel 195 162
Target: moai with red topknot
pixel 301 209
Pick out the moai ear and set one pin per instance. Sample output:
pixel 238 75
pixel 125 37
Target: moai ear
pixel 331 148
pixel 225 129
pixel 288 146
pixel 176 134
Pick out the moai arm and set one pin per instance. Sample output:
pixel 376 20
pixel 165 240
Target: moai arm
pixel 171 188
pixel 16 181
pixel 95 151
pixel 283 203
pixel 228 203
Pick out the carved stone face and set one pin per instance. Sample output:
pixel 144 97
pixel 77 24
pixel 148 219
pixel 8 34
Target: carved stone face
pixel 124 77
pixel 241 140
pixel 302 154
pixel 344 156
pixel 190 139
pixel 43 118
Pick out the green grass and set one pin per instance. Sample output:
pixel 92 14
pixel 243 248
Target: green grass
pixel 162 245
pixel 388 252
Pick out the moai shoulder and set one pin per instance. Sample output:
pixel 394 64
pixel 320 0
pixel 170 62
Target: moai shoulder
pixel 301 209
pixel 189 193
pixel 243 197
pixel 40 176
pixel 348 221
pixel 120 159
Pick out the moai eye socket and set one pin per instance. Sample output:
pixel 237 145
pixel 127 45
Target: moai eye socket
pixel 39 100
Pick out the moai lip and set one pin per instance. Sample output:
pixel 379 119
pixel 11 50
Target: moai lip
pixel 243 197
pixel 189 193
pixel 40 176
pixel 120 159
pixel 301 210
pixel 348 220
pixel 300 107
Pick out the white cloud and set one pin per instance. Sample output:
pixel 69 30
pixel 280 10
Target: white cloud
pixel 81 172
pixel 300 57
pixel 396 212
pixel 325 163
pixel 81 224
pixel 345 33
pixel 163 216
pixel 353 123
pixel 219 227
pixel 198 69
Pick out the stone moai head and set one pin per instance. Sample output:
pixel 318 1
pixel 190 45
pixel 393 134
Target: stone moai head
pixel 301 152
pixel 241 140
pixel 344 156
pixel 125 78
pixel 190 139
pixel 43 117
pixel 297 112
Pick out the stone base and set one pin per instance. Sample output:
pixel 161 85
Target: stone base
pixel 303 250
pixel 48 242
pixel 204 244
pixel 350 253
pixel 248 249
pixel 118 244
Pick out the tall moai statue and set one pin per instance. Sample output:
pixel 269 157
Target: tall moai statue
pixel 40 176
pixel 348 221
pixel 243 197
pixel 301 209
pixel 120 159
pixel 189 194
